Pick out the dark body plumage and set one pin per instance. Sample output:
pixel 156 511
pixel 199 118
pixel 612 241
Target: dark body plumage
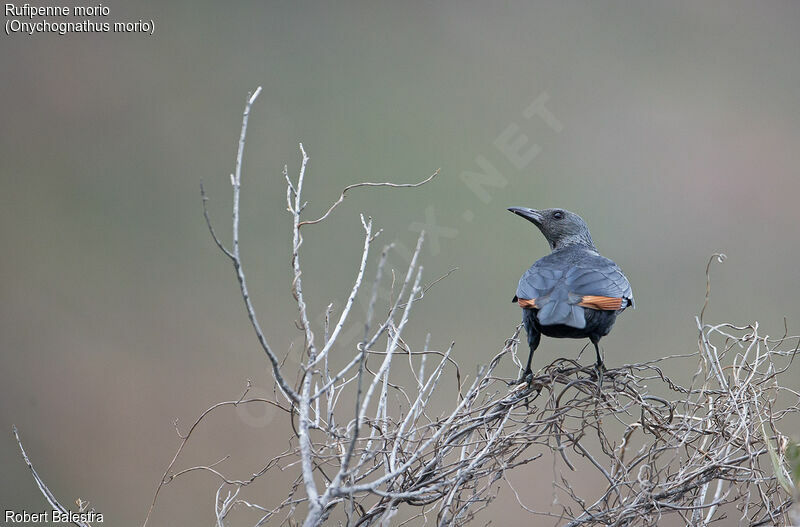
pixel 573 292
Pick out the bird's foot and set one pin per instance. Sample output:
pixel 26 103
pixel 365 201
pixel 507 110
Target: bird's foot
pixel 523 383
pixel 526 378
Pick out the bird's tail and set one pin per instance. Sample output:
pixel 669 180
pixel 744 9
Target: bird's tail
pixel 561 312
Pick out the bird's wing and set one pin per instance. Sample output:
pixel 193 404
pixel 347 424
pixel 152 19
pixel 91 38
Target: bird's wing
pixel 540 280
pixel 599 283
pixel 594 282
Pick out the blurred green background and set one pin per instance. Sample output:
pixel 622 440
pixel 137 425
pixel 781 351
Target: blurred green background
pixel 678 136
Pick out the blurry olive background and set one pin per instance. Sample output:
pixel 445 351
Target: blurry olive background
pixel 679 137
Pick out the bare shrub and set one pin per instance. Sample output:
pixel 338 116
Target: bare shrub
pixel 370 450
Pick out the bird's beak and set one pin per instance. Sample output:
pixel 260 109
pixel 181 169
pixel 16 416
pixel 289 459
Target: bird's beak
pixel 532 215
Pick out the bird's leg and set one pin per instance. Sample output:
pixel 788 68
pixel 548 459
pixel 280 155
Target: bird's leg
pixel 533 342
pixel 528 370
pixel 527 375
pixel 599 366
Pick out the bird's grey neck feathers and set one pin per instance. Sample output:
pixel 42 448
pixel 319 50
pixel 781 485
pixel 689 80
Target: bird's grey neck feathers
pixel 583 239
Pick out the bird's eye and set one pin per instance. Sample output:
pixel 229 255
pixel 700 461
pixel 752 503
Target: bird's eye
pixel 558 215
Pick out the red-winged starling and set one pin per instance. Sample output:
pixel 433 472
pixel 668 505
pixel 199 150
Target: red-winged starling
pixel 573 292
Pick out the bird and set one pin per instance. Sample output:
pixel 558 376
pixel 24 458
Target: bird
pixel 573 292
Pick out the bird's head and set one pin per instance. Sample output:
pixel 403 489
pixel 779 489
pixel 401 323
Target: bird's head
pixel 560 227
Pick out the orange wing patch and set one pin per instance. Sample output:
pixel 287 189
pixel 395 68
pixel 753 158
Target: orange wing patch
pixel 603 303
pixel 529 303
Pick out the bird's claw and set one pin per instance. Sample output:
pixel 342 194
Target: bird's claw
pixel 523 383
pixel 527 378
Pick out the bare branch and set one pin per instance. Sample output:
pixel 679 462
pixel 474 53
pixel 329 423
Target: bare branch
pixel 367 184
pixel 167 477
pixel 235 255
pixel 51 499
